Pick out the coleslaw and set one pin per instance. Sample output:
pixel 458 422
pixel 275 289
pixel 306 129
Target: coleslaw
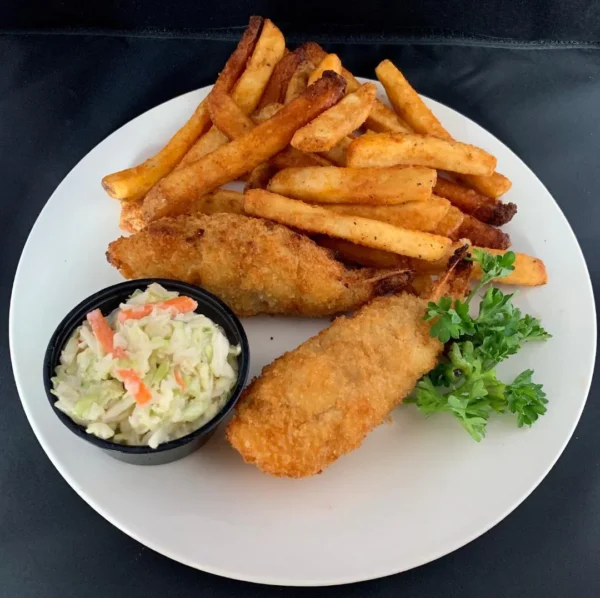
pixel 150 372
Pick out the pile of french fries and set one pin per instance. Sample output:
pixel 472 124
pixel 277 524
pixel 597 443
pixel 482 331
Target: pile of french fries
pixel 319 152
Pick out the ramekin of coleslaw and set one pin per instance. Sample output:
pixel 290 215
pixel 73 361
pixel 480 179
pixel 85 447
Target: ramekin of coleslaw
pixel 147 369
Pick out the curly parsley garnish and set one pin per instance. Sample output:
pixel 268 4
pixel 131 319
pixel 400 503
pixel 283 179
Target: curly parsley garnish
pixel 464 382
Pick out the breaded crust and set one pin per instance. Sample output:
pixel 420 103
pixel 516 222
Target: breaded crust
pixel 320 401
pixel 254 265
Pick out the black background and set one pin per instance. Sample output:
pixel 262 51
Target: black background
pixel 572 20
pixel 61 94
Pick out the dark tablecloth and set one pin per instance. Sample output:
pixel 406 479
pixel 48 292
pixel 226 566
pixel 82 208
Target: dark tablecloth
pixel 60 95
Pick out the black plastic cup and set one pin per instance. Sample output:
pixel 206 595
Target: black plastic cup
pixel 108 300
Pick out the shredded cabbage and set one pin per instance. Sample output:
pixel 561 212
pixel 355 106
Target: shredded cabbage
pixel 184 359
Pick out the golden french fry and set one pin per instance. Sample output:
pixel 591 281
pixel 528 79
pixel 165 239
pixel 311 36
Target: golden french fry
pixel 385 149
pixel 331 62
pixel 381 119
pixel 177 191
pixel 247 91
pixel 414 215
pixel 230 119
pixel 376 186
pixel 253 81
pixel 140 179
pixel 220 200
pixel 290 157
pixel 260 176
pixel 486 209
pixel 449 225
pixel 529 271
pixel 494 185
pixel 329 128
pixel 338 153
pixel 236 64
pixel 137 180
pixel 361 231
pixel 209 142
pixel 348 252
pixel 279 81
pixel 407 102
pixel 266 112
pixel 299 81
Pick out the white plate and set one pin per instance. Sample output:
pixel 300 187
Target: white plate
pixel 415 491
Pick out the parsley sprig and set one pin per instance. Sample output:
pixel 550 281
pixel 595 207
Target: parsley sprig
pixel 464 382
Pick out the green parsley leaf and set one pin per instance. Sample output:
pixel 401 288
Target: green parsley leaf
pixel 452 321
pixel 464 382
pixel 526 399
pixel 493 266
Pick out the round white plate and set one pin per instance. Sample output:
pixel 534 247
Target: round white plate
pixel 416 489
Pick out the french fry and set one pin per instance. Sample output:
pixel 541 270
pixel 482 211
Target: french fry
pixel 331 62
pixel 407 102
pixel 236 64
pixel 299 81
pixel 293 158
pixel 177 191
pixel 279 81
pixel 414 215
pixel 338 153
pixel 266 112
pixel 381 119
pixel 230 119
pixel 360 255
pixel 486 209
pixel 260 176
pixel 253 81
pixel 529 271
pixel 385 149
pixel 376 186
pixel 220 200
pixel 361 231
pixel 482 234
pixel 449 225
pixel 209 142
pixel 290 157
pixel 494 185
pixel 329 128
pixel 140 179
pixel 247 91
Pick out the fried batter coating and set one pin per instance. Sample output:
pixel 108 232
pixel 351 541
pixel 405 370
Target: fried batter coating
pixel 319 402
pixel 255 266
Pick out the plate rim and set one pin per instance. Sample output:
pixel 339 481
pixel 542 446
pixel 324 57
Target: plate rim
pixel 96 506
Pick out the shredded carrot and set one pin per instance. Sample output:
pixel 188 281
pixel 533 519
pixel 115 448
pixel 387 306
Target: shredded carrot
pixel 133 384
pixel 177 305
pixel 104 334
pixel 179 379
